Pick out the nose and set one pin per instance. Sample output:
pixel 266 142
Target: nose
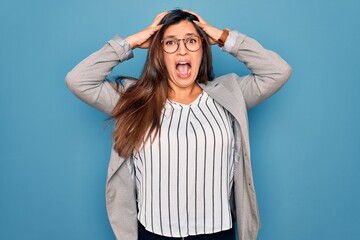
pixel 182 49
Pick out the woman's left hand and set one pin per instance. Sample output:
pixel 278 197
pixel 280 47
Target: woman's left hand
pixel 213 33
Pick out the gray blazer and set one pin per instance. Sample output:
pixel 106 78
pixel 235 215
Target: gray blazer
pixel 237 94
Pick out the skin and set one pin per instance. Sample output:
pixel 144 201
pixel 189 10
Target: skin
pixel 183 89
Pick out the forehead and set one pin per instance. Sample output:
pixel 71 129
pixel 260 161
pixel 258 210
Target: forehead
pixel 180 29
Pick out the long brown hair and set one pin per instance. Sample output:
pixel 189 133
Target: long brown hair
pixel 138 111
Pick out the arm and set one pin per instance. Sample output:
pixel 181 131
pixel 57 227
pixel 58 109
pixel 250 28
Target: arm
pixel 88 79
pixel 269 71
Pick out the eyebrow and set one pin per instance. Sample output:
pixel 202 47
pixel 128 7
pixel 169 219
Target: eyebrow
pixel 174 36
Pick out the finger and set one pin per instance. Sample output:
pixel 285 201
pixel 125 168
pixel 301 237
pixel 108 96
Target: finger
pixel 195 14
pixel 212 41
pixel 157 28
pixel 153 30
pixel 158 18
pixel 201 25
pixel 205 27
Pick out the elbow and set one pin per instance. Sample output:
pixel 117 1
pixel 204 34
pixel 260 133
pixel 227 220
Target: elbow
pixel 286 72
pixel 281 75
pixel 70 80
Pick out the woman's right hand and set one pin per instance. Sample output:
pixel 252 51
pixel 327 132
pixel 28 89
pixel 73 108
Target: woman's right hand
pixel 141 39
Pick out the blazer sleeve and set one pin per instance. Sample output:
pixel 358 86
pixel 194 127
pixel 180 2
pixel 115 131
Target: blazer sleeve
pixel 88 82
pixel 269 71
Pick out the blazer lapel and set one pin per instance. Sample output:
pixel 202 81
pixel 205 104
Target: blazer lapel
pixel 235 104
pixel 115 163
pixel 229 101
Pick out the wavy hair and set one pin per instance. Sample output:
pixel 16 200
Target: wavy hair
pixel 137 113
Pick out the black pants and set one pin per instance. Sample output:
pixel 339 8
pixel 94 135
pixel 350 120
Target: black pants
pixel 143 234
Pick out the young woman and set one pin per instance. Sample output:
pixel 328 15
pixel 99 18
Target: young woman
pixel 180 163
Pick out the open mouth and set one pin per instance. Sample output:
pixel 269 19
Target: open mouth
pixel 183 69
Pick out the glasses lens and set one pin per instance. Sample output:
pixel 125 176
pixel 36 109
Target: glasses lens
pixel 170 45
pixel 193 43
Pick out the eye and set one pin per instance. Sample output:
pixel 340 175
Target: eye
pixel 170 42
pixel 192 40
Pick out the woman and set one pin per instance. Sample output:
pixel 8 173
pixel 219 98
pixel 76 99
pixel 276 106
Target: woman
pixel 180 163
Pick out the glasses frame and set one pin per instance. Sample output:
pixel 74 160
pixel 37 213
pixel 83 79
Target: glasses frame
pixel 184 41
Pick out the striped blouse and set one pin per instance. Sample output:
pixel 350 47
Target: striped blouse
pixel 184 176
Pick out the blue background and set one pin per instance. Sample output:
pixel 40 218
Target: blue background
pixel 54 149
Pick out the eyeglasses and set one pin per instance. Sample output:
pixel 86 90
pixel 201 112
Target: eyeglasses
pixel 171 44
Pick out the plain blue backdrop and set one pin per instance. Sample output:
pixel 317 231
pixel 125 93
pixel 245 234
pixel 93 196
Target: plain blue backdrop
pixel 54 149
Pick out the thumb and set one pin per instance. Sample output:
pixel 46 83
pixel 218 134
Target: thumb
pixel 198 23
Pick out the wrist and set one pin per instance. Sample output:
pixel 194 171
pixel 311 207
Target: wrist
pixel 223 37
pixel 130 40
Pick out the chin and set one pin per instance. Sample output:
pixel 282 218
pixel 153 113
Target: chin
pixel 184 82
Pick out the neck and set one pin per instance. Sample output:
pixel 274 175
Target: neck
pixel 184 95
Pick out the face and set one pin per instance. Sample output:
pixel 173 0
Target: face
pixel 182 65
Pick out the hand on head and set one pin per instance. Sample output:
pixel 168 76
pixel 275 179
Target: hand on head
pixel 212 32
pixel 141 39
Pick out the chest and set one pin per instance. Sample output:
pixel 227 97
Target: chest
pixel 201 132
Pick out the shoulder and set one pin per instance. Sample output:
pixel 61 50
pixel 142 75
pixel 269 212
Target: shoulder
pixel 223 85
pixel 229 76
pixel 228 80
